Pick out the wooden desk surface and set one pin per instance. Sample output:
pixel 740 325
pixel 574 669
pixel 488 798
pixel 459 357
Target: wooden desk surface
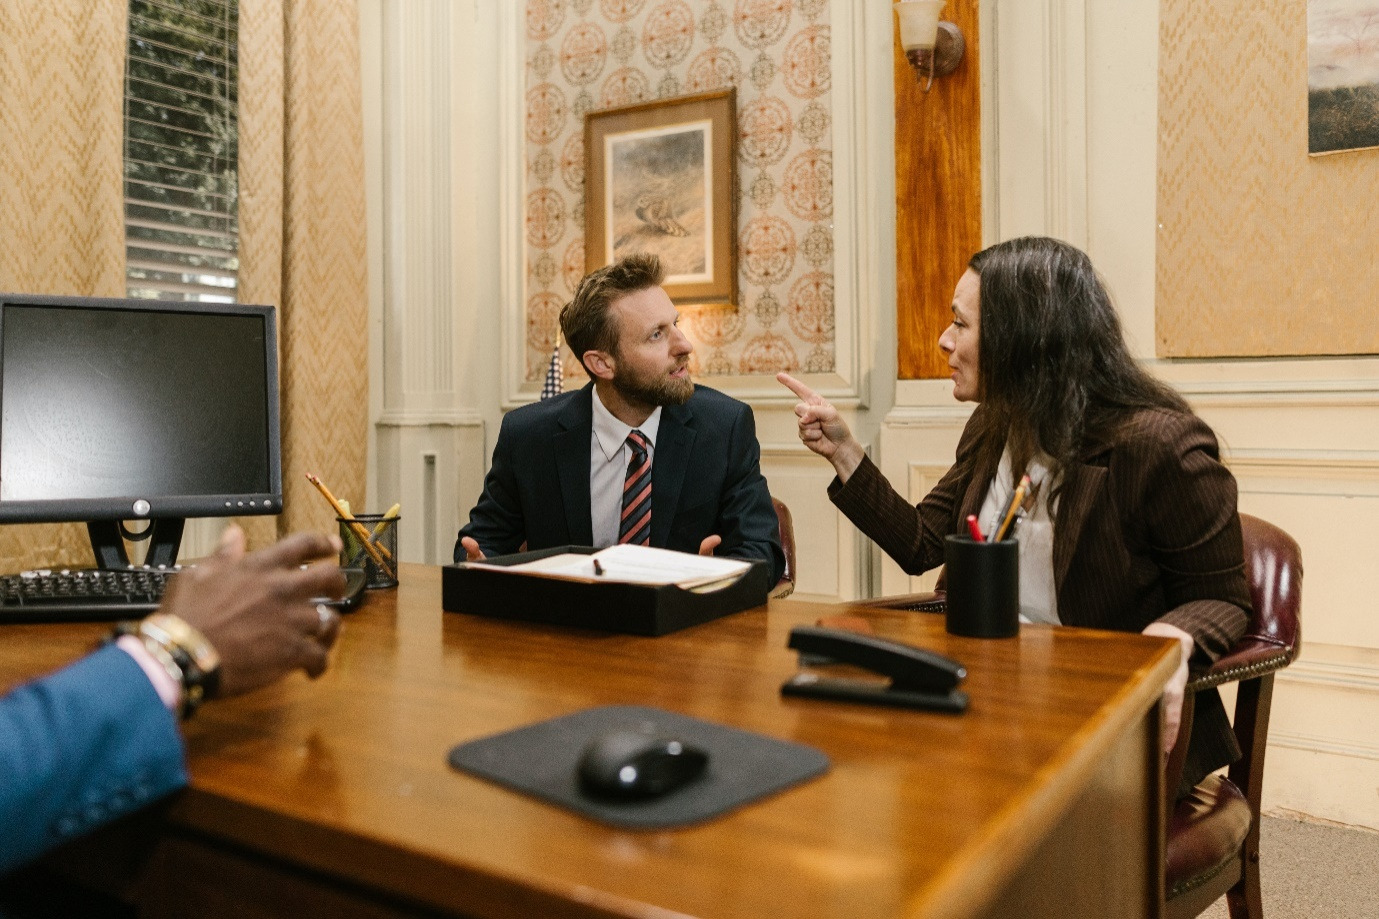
pixel 922 814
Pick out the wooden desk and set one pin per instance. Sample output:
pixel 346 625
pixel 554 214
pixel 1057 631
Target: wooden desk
pixel 334 797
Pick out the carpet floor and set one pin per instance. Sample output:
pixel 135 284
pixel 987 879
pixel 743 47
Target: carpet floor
pixel 1310 871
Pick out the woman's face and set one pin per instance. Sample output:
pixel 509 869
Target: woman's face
pixel 959 340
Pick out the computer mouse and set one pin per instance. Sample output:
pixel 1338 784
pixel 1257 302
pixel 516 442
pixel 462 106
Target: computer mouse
pixel 631 765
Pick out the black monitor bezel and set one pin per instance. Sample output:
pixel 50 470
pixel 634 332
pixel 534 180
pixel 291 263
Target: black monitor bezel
pixel 60 510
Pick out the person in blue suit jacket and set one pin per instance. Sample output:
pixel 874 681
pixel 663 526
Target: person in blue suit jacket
pixel 98 739
pixel 559 466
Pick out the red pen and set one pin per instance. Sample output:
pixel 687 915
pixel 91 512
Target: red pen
pixel 975 530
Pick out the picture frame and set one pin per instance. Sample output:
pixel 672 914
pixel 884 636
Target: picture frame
pixel 1342 76
pixel 660 178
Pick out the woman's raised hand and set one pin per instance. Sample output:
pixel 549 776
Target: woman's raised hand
pixel 823 430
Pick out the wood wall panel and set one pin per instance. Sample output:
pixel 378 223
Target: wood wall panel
pixel 938 219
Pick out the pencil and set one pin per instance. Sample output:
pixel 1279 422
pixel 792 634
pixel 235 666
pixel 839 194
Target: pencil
pixel 383 524
pixel 379 527
pixel 355 526
pixel 1015 501
pixel 342 509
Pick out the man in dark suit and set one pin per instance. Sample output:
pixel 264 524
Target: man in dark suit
pixel 571 470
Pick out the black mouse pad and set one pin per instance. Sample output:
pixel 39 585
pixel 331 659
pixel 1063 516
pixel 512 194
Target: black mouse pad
pixel 542 760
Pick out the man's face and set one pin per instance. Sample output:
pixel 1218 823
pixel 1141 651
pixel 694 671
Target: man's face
pixel 651 360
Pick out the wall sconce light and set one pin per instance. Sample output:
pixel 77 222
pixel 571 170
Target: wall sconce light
pixel 933 48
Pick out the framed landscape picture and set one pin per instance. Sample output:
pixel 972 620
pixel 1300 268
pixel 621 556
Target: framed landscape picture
pixel 1342 75
pixel 659 179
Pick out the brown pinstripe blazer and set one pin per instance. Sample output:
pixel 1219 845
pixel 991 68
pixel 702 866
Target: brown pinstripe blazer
pixel 1147 529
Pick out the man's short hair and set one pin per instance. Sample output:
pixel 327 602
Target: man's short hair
pixel 585 320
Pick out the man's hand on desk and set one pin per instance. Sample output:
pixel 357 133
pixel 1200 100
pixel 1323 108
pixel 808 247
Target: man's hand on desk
pixel 709 544
pixel 472 552
pixel 1177 684
pixel 259 610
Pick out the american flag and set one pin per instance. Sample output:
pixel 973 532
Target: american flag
pixel 555 375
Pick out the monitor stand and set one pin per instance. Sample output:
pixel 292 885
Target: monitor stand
pixel 108 539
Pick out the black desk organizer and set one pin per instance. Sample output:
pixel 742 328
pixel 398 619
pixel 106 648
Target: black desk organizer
pixel 632 609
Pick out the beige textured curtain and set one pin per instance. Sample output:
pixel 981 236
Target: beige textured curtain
pixel 61 194
pixel 301 216
pixel 302 240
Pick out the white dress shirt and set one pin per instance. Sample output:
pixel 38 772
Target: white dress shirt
pixel 1038 594
pixel 609 455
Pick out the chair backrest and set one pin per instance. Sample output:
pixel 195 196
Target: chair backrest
pixel 1273 565
pixel 786 585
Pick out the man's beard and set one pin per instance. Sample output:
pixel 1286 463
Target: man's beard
pixel 657 390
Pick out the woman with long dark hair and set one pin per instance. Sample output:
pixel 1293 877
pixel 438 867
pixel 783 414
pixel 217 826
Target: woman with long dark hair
pixel 1130 522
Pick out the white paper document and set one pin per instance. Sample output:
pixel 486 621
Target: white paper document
pixel 632 565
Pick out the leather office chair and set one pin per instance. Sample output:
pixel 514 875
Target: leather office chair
pixel 786 585
pixel 1213 833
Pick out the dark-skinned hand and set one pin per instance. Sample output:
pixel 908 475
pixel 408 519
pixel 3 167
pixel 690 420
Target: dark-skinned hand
pixel 259 609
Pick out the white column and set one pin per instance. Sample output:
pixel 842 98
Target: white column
pixel 435 308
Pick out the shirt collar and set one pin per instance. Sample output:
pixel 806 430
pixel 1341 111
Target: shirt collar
pixel 612 432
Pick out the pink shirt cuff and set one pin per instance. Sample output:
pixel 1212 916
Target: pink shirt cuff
pixel 167 687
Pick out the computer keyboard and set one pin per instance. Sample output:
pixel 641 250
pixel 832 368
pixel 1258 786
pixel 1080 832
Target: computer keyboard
pixel 81 594
pixel 97 595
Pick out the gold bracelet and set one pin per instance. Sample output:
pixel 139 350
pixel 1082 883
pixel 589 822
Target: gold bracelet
pixel 183 652
pixel 192 652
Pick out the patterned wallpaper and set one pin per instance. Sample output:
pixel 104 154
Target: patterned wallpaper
pixel 586 55
pixel 1262 250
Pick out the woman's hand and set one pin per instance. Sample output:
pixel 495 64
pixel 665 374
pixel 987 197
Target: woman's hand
pixel 823 430
pixel 1176 687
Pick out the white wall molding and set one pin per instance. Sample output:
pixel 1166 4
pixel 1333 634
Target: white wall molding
pixel 1358 677
pixel 836 562
pixel 784 449
pixel 417 244
pixel 459 418
pixel 928 416
pixel 512 270
pixel 1041 119
pixel 1315 474
pixel 432 221
pixel 863 139
pixel 1350 392
pixel 1315 744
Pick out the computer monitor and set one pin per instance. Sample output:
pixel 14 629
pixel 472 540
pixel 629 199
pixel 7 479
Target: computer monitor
pixel 123 410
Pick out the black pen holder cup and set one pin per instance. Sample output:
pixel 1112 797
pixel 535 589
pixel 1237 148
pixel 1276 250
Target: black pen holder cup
pixel 369 541
pixel 983 583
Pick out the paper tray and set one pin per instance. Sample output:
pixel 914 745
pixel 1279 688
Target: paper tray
pixel 633 609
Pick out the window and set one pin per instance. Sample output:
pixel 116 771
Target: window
pixel 181 150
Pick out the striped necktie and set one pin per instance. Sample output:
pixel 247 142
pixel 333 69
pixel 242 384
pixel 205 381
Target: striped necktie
pixel 635 524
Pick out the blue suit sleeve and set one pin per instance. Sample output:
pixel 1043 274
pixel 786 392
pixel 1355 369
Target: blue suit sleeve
pixel 80 748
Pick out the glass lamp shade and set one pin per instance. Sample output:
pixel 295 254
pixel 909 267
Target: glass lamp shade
pixel 918 23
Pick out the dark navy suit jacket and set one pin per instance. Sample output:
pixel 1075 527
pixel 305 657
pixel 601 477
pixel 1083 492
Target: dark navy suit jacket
pixel 705 480
pixel 79 748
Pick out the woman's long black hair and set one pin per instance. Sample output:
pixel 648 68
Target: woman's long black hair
pixel 1055 373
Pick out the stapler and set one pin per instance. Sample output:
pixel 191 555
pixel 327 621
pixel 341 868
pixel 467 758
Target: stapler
pixel 918 678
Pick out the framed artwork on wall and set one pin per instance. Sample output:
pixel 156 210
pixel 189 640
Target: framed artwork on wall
pixel 1342 75
pixel 659 178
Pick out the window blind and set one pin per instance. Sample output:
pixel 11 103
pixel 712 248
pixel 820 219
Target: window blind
pixel 181 150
